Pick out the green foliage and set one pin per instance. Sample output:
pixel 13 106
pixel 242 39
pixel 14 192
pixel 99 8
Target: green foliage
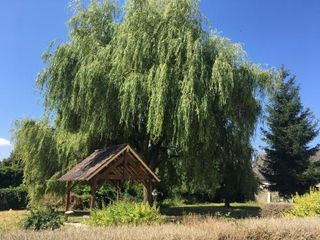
pixel 13 198
pixel 12 161
pixel 13 195
pixel 173 201
pixel 187 99
pixel 291 128
pixel 46 218
pixel 36 145
pixel 10 176
pixel 306 205
pixel 11 171
pixel 107 193
pixel 239 184
pixel 133 191
pixel 126 212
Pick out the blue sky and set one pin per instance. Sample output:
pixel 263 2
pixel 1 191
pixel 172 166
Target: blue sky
pixel 272 33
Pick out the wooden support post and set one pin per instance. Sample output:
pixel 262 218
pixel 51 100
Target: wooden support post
pixel 150 198
pixel 118 190
pixel 147 192
pixel 93 185
pixel 68 195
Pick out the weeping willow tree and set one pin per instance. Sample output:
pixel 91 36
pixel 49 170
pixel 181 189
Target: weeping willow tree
pixel 186 98
pixel 36 146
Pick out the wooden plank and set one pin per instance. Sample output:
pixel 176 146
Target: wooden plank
pixel 140 171
pixel 142 162
pixel 138 165
pixel 118 171
pixel 132 171
pixel 106 164
pixel 109 170
pixel 120 178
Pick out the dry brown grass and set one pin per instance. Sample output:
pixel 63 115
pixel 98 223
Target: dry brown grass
pixel 190 228
pixel 262 228
pixel 9 220
pixel 275 209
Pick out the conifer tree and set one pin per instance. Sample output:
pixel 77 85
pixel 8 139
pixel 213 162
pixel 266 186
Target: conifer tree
pixel 291 128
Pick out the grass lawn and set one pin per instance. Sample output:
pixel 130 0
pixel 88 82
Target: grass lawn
pixel 236 210
pixel 173 213
pixel 78 217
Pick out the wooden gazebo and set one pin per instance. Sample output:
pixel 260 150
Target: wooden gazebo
pixel 116 164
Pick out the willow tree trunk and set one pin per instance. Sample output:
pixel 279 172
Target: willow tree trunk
pixel 152 160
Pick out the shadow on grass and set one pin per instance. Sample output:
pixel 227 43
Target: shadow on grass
pixel 212 210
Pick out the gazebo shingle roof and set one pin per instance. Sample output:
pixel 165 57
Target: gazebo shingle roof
pixel 100 159
pixel 83 170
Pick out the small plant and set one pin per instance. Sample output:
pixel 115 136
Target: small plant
pixel 126 212
pixel 307 205
pixel 222 215
pixel 42 219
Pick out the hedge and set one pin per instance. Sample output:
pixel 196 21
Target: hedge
pixel 13 198
pixel 10 176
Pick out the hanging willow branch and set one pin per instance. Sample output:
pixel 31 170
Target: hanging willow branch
pixel 154 77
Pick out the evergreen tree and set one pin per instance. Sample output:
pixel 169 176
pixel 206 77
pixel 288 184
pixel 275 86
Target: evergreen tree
pixel 291 128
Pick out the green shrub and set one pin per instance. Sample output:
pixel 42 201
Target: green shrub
pixel 13 198
pixel 10 176
pixel 126 212
pixel 42 219
pixel 306 205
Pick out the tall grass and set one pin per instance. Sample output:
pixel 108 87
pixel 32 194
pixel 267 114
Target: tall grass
pixel 9 220
pixel 195 228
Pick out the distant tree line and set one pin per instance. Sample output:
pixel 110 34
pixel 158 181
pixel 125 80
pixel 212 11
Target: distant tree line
pixel 13 194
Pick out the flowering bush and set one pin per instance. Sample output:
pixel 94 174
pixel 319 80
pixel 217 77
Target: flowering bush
pixel 306 205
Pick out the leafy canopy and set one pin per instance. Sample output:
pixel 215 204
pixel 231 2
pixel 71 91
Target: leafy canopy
pixel 151 76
